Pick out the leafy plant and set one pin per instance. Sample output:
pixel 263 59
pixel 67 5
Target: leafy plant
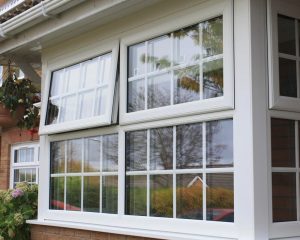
pixel 20 93
pixel 16 206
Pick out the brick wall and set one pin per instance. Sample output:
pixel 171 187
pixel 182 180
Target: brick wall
pixel 8 137
pixel 56 233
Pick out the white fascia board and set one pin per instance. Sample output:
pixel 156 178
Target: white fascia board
pixel 34 15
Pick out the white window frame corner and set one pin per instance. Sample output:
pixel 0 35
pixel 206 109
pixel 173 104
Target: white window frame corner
pixel 71 59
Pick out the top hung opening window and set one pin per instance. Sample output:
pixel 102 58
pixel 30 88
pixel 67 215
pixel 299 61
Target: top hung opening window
pixel 81 95
pixel 284 38
pixel 187 70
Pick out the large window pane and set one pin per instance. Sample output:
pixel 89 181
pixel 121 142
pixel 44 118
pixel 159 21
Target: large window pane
pixel 91 194
pixel 73 194
pixel 187 86
pixel 286 35
pixel 110 153
pixel 283 143
pixel 92 154
pixel 212 37
pixel 287 77
pixel 57 188
pixel 284 197
pixel 74 155
pixel 161 148
pixel 136 150
pixel 213 79
pixel 110 194
pixel 189 146
pixel 161 196
pixel 219 197
pixel 219 143
pixel 189 196
pixel 136 195
pixel 57 157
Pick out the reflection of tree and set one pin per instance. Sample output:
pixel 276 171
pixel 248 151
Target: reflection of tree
pixel 187 85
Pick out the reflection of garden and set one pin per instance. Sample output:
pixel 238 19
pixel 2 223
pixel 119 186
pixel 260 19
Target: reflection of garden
pixel 189 201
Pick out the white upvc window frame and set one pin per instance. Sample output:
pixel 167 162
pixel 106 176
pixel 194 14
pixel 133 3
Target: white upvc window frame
pixel 77 57
pixel 206 11
pixel 34 164
pixel 190 229
pixel 290 228
pixel 276 101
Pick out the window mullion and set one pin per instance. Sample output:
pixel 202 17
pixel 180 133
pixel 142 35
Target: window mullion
pixel 172 88
pixel 148 175
pixel 174 174
pixel 201 86
pixel 82 170
pixel 204 169
pixel 101 169
pixel 65 182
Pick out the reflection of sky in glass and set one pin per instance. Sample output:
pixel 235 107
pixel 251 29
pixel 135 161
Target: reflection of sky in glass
pixel 136 65
pixel 219 138
pixel 159 53
pixel 92 154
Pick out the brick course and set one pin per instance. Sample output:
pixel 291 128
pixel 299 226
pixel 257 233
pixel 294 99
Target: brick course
pixel 39 232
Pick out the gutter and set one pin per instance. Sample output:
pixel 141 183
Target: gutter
pixel 34 15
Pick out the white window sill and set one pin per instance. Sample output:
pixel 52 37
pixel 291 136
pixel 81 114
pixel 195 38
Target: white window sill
pixel 125 231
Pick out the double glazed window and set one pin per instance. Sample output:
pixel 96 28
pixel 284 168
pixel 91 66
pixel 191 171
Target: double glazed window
pixel 145 168
pixel 84 174
pixel 178 67
pixel 25 164
pixel 169 170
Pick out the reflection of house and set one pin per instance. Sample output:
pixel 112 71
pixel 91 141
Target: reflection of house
pixel 197 181
pixel 178 89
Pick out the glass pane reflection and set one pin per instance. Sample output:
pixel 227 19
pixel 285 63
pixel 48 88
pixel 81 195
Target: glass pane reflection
pixel 74 155
pixel 159 53
pixel 136 195
pixel 136 95
pixel 283 143
pixel 212 37
pixel 161 196
pixel 189 196
pixel 189 146
pixel 91 194
pixel 284 197
pixel 287 77
pixel 161 148
pixel 57 157
pixel 213 79
pixel 57 187
pixel 159 91
pixel 219 143
pixel 187 86
pixel 73 194
pixel 136 63
pixel 92 154
pixel 110 194
pixel 136 151
pixel 110 153
pixel 286 35
pixel 219 197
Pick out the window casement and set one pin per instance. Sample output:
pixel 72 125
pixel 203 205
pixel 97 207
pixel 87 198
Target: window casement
pixel 179 68
pixel 24 163
pixel 284 55
pixel 81 94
